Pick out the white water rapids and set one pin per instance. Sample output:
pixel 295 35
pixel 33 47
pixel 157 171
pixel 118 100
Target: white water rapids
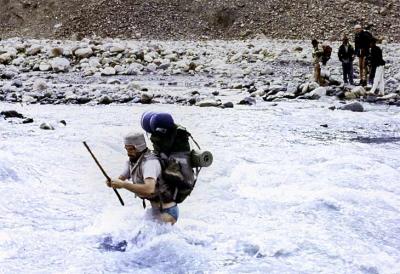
pixel 284 194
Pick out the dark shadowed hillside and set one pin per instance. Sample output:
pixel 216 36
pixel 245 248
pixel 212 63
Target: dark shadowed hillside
pixel 198 19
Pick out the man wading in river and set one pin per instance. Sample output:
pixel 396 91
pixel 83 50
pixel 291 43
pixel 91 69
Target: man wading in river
pixel 145 174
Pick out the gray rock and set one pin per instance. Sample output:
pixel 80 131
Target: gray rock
pixel 34 49
pixel 228 105
pixel 117 48
pixel 59 64
pixel 83 53
pixel 27 121
pixel 17 83
pixel 320 91
pixel 8 74
pixel 40 85
pixel 105 100
pixel 113 82
pixel 356 107
pixel 44 66
pixel 108 71
pixel 11 114
pixel 134 69
pixel 208 103
pixel 247 101
pixel 46 126
pixel 146 98
pixel 397 76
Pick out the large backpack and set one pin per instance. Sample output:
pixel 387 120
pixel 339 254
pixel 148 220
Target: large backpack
pixel 326 54
pixel 171 145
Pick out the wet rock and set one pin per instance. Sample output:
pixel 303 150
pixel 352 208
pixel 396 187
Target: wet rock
pixel 228 105
pixel 356 107
pixel 146 98
pixel 27 121
pixel 192 101
pixel 105 100
pixel 371 99
pixel 82 100
pixel 247 101
pixel 59 64
pixel 46 126
pixel 11 114
pixel 208 103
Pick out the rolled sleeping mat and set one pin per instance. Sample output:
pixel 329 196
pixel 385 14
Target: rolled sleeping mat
pixel 161 122
pixel 145 120
pixel 201 158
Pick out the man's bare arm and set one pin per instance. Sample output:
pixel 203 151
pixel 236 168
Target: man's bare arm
pixel 143 190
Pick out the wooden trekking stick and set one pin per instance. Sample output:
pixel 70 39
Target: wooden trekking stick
pixel 104 173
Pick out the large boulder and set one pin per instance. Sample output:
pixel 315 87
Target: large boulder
pixel 5 58
pixel 146 98
pixel 59 64
pixel 11 114
pixel 356 107
pixel 83 52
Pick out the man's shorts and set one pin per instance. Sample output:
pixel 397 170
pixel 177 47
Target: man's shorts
pixel 173 211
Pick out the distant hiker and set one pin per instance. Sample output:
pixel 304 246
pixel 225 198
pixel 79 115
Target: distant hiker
pixel 361 41
pixel 346 55
pixel 377 63
pixel 145 174
pixel 317 59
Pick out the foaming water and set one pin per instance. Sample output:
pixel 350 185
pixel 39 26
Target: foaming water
pixel 284 195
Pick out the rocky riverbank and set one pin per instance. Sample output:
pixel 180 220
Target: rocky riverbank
pixel 210 73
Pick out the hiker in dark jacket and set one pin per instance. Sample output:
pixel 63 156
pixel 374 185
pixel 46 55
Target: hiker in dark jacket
pixel 346 55
pixel 377 63
pixel 361 43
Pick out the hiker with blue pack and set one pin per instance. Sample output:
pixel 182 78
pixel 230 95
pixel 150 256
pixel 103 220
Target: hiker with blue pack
pixel 167 175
